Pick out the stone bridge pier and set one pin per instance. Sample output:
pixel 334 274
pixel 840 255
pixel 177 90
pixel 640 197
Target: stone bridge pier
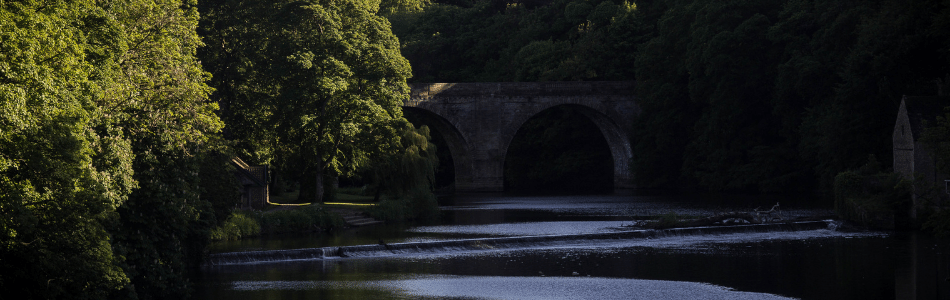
pixel 479 121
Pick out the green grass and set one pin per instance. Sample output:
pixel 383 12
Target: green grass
pixel 347 194
pixel 277 218
pixel 341 197
pixel 285 197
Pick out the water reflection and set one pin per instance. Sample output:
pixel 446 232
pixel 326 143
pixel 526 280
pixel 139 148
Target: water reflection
pixel 499 287
pixel 487 209
pixel 820 264
pixel 921 266
pixel 844 267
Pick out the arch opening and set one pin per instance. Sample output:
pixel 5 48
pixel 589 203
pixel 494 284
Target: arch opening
pixel 455 167
pixel 561 149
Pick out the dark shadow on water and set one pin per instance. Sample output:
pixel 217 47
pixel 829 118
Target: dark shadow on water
pixel 898 266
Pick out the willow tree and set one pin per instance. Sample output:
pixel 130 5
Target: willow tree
pixel 406 167
pixel 311 87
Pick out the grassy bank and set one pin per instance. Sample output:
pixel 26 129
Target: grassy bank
pixel 307 218
pixel 321 217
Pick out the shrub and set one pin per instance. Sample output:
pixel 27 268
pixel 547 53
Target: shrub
pixel 870 197
pixel 309 218
pixel 419 206
pixel 238 225
pixel 390 210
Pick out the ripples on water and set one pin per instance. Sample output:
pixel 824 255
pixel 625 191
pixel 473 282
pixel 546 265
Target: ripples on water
pixel 501 287
pixel 811 264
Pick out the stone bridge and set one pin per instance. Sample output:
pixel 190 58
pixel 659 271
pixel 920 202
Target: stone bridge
pixel 479 120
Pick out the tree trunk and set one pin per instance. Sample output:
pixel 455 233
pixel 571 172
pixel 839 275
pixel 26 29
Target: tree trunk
pixel 379 191
pixel 318 188
pixel 312 192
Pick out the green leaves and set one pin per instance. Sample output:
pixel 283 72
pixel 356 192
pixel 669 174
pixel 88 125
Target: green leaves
pixel 318 89
pixel 57 173
pixel 406 168
pixel 93 93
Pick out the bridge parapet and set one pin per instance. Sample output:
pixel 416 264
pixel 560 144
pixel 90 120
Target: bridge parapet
pixel 426 91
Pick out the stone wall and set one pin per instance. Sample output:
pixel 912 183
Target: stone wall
pixel 903 139
pixel 479 120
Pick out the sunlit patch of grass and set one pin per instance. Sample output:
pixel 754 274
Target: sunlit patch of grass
pixel 287 198
pixel 350 204
pixel 288 204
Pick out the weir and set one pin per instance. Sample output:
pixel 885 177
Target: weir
pixel 482 244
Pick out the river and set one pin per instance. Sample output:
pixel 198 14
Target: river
pixel 589 252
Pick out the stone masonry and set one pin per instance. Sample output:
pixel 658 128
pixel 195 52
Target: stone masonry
pixel 479 120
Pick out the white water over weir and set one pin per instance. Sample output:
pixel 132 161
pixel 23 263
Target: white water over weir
pixel 495 243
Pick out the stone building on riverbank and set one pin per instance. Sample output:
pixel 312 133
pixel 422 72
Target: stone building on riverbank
pixel 253 180
pixel 912 158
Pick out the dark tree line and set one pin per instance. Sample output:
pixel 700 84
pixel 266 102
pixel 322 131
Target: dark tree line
pixel 110 165
pixel 767 96
pixel 113 164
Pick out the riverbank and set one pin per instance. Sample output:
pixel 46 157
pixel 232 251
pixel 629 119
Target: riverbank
pixel 549 240
pixel 341 211
pixel 498 243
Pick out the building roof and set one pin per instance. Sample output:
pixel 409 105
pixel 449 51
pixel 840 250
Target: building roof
pixel 257 174
pixel 921 109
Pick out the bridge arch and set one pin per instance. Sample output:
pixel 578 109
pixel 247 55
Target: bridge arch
pixel 618 141
pixel 482 119
pixel 458 146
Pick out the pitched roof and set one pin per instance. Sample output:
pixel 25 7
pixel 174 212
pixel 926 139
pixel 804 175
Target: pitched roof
pixel 257 174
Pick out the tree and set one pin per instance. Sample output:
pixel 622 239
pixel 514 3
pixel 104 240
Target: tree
pixel 936 137
pixel 404 167
pixel 105 120
pixel 521 40
pixel 60 175
pixel 316 91
pixel 734 145
pixel 665 125
pixel 157 94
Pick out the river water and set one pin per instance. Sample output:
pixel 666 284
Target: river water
pixel 589 251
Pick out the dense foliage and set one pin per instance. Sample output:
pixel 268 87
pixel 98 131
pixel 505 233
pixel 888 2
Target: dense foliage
pixel 406 167
pixel 105 137
pixel 741 95
pixel 112 171
pixel 932 199
pixel 312 88
pixel 468 41
pixel 870 197
pixel 936 137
